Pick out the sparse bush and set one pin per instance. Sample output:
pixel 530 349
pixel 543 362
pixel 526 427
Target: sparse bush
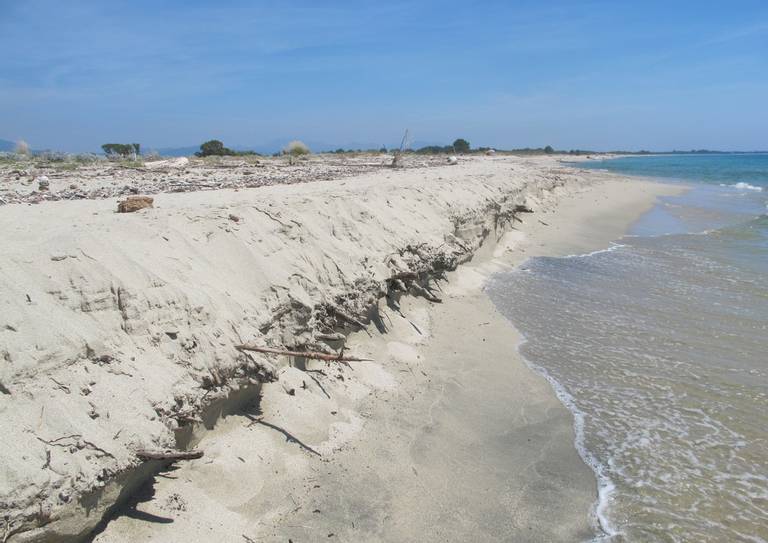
pixel 121 150
pixel 22 148
pixel 85 158
pixel 435 150
pixel 52 156
pixel 296 148
pixel 132 164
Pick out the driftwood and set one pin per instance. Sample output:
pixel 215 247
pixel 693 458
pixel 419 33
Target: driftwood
pixel 169 455
pixel 345 316
pixel 397 284
pixel 134 203
pixel 303 354
pixel 418 289
pixel 336 336
pixel 403 275
pixel 399 152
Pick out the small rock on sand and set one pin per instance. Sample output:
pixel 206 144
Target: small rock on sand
pixel 43 183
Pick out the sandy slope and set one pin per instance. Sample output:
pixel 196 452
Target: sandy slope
pixel 116 331
pixel 462 442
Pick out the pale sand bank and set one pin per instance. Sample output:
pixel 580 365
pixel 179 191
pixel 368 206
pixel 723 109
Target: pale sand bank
pixel 464 443
pixel 446 436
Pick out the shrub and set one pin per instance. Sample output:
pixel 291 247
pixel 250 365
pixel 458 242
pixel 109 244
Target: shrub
pixel 52 156
pixel 214 148
pixel 461 146
pixel 22 148
pixel 435 150
pixel 132 164
pixel 548 150
pixel 85 158
pixel 296 148
pixel 122 150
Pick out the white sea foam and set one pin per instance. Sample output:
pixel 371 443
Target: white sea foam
pixel 605 487
pixel 613 247
pixel 743 186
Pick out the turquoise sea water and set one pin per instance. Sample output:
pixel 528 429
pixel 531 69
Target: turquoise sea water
pixel 659 346
pixel 712 169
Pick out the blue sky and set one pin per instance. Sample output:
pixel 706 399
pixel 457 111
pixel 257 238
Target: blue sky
pixel 599 75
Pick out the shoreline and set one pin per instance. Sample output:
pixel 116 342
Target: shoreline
pixel 313 414
pixel 321 501
pixel 589 239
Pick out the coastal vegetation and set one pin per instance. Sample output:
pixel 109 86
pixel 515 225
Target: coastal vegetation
pixel 296 148
pixel 217 148
pixel 214 148
pixel 21 148
pixel 121 150
pixel 20 151
pixel 461 146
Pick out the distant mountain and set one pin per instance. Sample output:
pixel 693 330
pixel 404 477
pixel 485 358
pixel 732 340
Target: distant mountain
pixel 7 146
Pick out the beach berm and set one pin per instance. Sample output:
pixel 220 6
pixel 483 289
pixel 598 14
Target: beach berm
pixel 128 344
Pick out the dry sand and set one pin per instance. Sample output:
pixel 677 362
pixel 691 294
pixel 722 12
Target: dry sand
pixel 70 179
pixel 117 334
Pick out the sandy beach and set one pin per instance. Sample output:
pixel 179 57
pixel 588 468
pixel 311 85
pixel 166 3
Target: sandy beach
pixel 119 333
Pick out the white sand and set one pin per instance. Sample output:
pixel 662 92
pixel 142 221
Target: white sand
pixel 115 329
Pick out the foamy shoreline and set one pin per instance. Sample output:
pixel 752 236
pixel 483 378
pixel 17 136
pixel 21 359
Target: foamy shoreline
pixel 108 293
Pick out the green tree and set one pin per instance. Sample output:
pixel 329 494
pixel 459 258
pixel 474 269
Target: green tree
pixel 214 148
pixel 461 146
pixel 548 150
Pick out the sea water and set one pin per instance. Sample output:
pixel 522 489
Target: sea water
pixel 659 346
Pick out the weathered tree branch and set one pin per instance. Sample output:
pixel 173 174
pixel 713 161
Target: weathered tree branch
pixel 304 354
pixel 169 455
pixel 403 275
pixel 346 317
pixel 335 336
pixel 418 289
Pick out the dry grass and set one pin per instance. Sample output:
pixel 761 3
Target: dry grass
pixel 22 148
